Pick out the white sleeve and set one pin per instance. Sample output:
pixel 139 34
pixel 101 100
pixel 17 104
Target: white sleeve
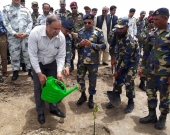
pixel 32 50
pixel 60 58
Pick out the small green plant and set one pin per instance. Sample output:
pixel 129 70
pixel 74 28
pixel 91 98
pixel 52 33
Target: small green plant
pixel 95 110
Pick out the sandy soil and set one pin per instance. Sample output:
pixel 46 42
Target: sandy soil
pixel 18 115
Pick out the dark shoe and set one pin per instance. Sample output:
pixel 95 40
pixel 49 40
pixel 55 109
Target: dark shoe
pixel 129 107
pixel 114 98
pixel 1 80
pixel 15 75
pixel 72 66
pixel 30 73
pixel 41 118
pixel 161 122
pixel 9 61
pixel 109 105
pixel 23 67
pixel 104 63
pixel 5 74
pixel 142 85
pixel 91 103
pixel 151 118
pixel 82 99
pixel 58 113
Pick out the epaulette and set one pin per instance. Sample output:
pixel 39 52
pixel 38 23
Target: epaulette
pixel 68 11
pixel 98 29
pixel 80 29
pixel 81 13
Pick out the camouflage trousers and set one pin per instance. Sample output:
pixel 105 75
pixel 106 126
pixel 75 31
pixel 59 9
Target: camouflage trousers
pixel 81 72
pixel 154 84
pixel 127 77
pixel 16 46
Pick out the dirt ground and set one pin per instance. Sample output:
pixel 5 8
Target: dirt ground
pixel 18 115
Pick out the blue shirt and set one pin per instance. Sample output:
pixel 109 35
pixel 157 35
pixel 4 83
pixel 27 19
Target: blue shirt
pixel 2 28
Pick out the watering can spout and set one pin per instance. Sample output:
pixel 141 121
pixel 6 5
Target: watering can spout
pixel 77 87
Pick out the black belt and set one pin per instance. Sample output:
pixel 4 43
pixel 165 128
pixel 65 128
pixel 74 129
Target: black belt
pixel 2 34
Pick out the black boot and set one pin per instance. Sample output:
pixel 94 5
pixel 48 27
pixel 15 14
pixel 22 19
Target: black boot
pixel 161 122
pixel 15 75
pixel 30 73
pixel 114 98
pixel 130 106
pixel 151 118
pixel 82 99
pixel 142 85
pixel 8 59
pixel 109 105
pixel 23 67
pixel 91 103
pixel 1 79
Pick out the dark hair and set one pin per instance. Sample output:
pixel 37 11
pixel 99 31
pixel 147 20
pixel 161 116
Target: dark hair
pixel 132 10
pixel 52 18
pixel 51 9
pixel 45 4
pixel 112 7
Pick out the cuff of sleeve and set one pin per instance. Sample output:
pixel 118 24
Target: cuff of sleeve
pixel 67 65
pixel 37 70
pixel 13 33
pixel 59 69
pixel 93 45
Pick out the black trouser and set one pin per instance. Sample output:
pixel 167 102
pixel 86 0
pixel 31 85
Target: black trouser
pixel 48 70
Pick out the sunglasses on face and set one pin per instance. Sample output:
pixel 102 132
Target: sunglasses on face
pixel 73 8
pixel 104 11
pixel 87 22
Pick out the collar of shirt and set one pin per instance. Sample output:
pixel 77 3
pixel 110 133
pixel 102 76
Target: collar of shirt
pixel 60 11
pixel 44 34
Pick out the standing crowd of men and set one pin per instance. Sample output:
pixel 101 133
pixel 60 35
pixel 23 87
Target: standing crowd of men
pixel 45 44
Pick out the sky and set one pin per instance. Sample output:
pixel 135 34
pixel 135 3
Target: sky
pixel 123 6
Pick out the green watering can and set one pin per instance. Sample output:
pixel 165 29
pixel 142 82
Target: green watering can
pixel 54 91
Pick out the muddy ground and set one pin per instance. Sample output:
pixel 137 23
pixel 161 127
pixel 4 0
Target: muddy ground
pixel 18 115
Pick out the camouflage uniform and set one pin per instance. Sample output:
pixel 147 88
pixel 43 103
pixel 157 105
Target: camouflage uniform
pixel 62 15
pixel 41 20
pixel 88 57
pixel 126 52
pixel 78 24
pixel 157 58
pixel 17 20
pixel 68 58
pixel 34 18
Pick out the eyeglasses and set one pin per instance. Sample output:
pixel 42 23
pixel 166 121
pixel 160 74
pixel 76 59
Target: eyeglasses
pixel 87 22
pixel 104 10
pixel 73 8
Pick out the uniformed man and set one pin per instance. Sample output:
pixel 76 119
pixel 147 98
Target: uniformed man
pixel 18 22
pixel 87 9
pixel 94 12
pixel 89 42
pixel 66 28
pixel 157 56
pixel 77 18
pixel 124 51
pixel 46 12
pixel 132 22
pixel 62 12
pixel 35 12
pixel 146 18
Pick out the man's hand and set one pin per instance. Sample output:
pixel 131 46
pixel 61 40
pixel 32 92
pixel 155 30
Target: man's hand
pixel 42 78
pixel 60 76
pixel 88 43
pixel 113 62
pixel 66 71
pixel 23 36
pixel 140 72
pixel 82 43
pixel 169 80
pixel 18 35
pixel 75 35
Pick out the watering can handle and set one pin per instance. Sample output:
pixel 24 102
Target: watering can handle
pixel 63 85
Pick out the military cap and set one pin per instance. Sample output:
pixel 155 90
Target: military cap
pixel 122 22
pixel 62 2
pixel 34 3
pixel 161 11
pixel 73 4
pixel 68 24
pixel 87 7
pixel 150 19
pixel 94 9
pixel 143 13
pixel 132 10
pixel 151 12
pixel 22 0
pixel 88 16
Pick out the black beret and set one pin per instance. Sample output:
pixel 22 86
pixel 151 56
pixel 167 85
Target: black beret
pixel 132 10
pixel 161 11
pixel 68 24
pixel 22 0
pixel 88 16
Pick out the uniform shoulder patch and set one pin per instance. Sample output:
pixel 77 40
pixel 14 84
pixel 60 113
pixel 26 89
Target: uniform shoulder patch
pixel 98 29
pixel 81 29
